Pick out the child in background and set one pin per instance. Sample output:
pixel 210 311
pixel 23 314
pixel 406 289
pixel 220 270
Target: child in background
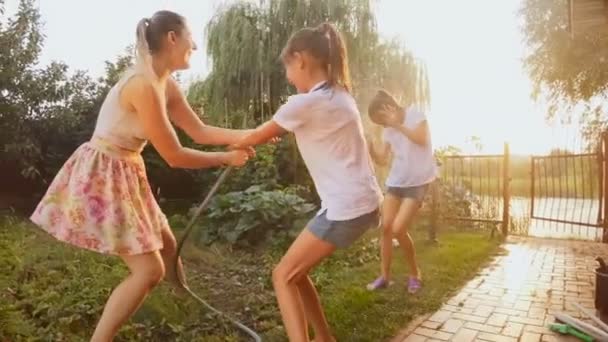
pixel 406 137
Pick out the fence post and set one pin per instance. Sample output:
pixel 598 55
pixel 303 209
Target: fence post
pixel 604 190
pixel 532 185
pixel 434 213
pixel 506 191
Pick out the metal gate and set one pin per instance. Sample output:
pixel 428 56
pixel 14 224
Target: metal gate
pixel 563 195
pixel 475 189
pixel 569 190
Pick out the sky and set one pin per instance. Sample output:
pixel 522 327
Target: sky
pixel 473 50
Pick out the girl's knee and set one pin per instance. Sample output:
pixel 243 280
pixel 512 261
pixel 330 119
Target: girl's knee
pixel 156 275
pixel 387 229
pixel 279 274
pixel 400 231
pixel 401 227
pixel 152 274
pixel 284 274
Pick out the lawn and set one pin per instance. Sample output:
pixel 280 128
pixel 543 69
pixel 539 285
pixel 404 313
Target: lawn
pixel 53 292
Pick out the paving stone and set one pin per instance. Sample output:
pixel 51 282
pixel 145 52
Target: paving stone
pixel 482 327
pixel 483 311
pixel 464 335
pixel 511 312
pixel 471 303
pixel 440 316
pixel 525 320
pixel 513 329
pixel 439 335
pixel 497 319
pixel 452 325
pixel 522 305
pixel 530 337
pixel 415 338
pixel 448 307
pixel 431 325
pixel 538 330
pixel 469 318
pixel 537 313
pixel 495 338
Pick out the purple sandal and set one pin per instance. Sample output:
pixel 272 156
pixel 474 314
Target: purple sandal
pixel 378 284
pixel 413 285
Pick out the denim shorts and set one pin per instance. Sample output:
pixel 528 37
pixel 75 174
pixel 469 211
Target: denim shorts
pixel 343 233
pixel 414 192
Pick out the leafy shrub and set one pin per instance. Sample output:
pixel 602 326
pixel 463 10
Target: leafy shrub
pixel 253 215
pixel 261 170
pixel 452 200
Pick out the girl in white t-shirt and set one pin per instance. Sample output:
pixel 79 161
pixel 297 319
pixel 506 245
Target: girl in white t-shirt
pixel 406 136
pixel 327 126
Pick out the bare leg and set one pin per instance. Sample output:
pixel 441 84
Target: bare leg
pixel 147 271
pixel 314 311
pixel 168 254
pixel 407 212
pixel 390 208
pixel 306 252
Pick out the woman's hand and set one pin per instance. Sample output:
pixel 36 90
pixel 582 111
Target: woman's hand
pixel 236 158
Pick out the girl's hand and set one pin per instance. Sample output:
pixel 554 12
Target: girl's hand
pixel 236 158
pixel 267 132
pixel 249 149
pixel 238 146
pixel 390 118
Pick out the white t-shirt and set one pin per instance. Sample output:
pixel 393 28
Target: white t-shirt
pixel 413 164
pixel 329 135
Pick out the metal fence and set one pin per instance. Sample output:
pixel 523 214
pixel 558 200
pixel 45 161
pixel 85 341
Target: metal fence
pixel 562 194
pixel 482 182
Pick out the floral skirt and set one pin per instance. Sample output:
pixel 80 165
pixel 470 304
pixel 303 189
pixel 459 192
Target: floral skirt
pixel 101 200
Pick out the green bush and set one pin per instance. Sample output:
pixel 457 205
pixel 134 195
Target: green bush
pixel 252 216
pixel 452 200
pixel 261 170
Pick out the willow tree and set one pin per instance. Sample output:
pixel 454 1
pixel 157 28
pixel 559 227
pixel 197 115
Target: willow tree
pixel 247 82
pixel 244 40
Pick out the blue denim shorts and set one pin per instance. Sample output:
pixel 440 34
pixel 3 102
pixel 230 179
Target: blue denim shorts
pixel 343 233
pixel 414 192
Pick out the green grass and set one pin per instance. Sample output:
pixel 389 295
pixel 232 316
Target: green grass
pixel 53 292
pixel 359 315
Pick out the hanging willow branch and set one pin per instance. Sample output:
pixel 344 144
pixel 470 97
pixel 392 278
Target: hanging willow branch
pixel 244 40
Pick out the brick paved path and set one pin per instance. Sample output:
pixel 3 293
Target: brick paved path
pixel 514 299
